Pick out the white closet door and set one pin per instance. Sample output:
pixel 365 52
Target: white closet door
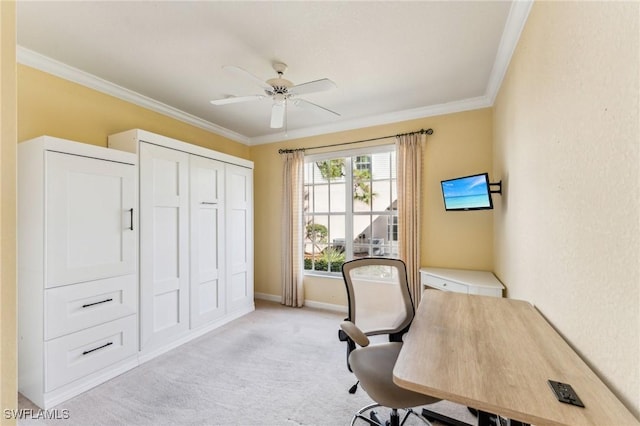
pixel 164 250
pixel 239 216
pixel 90 224
pixel 207 240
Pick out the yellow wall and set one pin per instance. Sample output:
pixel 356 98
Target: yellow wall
pixel 48 105
pixel 460 145
pixel 567 234
pixel 8 362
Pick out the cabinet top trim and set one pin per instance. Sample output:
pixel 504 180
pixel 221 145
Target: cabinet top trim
pixel 50 143
pixel 128 141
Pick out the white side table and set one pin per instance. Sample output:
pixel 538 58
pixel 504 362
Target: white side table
pixel 483 283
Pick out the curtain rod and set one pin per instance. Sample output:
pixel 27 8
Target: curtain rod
pixel 421 131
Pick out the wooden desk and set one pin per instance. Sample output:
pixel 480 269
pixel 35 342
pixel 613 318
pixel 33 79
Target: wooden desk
pixel 496 355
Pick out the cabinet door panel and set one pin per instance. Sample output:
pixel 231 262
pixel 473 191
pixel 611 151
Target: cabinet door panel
pixel 89 231
pixel 207 240
pixel 239 211
pixel 164 250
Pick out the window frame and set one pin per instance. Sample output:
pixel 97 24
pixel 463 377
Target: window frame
pixel 350 212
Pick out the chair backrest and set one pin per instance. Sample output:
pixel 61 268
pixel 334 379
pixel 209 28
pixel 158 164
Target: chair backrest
pixel 378 295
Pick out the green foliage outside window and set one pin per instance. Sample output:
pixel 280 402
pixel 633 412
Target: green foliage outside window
pixel 329 258
pixel 316 232
pixel 335 169
pixel 362 186
pixel 331 169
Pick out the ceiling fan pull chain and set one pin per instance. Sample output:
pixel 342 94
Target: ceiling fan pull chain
pixel 286 115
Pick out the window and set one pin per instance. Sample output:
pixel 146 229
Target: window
pixel 362 162
pixel 350 207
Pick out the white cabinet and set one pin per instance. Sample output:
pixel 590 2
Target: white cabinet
pixel 482 283
pixel 196 238
pixel 77 276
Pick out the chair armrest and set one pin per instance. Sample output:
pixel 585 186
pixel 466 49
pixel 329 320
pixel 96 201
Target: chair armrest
pixel 354 333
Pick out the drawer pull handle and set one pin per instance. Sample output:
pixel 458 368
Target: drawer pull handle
pixel 96 303
pixel 209 203
pixel 131 213
pixel 95 349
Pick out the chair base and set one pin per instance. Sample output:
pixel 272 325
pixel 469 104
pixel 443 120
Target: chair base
pixel 395 419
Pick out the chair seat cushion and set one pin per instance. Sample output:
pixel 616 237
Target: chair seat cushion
pixel 373 366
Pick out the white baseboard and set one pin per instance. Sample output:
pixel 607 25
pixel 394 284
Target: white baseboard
pixel 307 302
pixel 269 297
pixel 327 306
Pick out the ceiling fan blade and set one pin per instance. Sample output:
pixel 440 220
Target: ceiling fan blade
pixel 236 99
pixel 244 73
pixel 277 115
pixel 306 104
pixel 313 86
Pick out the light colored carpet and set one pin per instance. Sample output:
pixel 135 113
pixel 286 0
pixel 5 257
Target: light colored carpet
pixel 275 366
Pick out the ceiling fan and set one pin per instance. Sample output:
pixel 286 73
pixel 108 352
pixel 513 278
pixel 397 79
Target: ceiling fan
pixel 281 91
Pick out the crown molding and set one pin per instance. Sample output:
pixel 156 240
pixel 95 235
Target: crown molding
pixel 377 120
pixel 43 63
pixel 516 20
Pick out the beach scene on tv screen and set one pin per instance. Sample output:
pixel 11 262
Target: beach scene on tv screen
pixel 466 193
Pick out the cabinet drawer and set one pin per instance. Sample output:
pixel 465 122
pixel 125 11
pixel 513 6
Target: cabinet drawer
pixel 80 306
pixel 443 284
pixel 74 356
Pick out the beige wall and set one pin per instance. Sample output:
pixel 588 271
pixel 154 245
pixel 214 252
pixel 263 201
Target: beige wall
pixel 8 362
pixel 48 105
pixel 460 145
pixel 567 233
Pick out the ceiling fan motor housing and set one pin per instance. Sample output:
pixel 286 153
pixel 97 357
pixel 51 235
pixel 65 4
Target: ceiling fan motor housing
pixel 280 85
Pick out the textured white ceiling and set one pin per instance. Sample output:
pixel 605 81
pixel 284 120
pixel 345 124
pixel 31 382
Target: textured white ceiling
pixel 388 58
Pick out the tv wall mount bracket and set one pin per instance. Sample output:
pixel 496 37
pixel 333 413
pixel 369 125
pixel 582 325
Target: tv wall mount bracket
pixel 492 188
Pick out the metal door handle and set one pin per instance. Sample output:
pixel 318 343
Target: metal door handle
pixel 96 303
pixel 131 213
pixel 95 349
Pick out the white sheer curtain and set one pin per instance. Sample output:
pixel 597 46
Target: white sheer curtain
pixel 292 221
pixel 409 158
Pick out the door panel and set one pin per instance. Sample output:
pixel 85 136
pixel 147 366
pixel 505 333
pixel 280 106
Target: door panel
pixel 207 240
pixel 89 231
pixel 239 211
pixel 164 250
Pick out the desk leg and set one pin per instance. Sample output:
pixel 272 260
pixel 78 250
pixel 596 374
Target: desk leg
pixel 486 419
pixel 516 423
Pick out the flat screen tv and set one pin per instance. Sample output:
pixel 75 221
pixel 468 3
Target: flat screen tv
pixel 467 193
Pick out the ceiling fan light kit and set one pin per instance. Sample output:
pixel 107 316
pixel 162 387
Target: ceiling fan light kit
pixel 280 90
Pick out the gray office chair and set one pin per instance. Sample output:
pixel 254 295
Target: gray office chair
pixel 379 304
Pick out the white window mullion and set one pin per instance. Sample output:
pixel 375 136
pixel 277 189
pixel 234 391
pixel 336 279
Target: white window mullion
pixel 348 193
